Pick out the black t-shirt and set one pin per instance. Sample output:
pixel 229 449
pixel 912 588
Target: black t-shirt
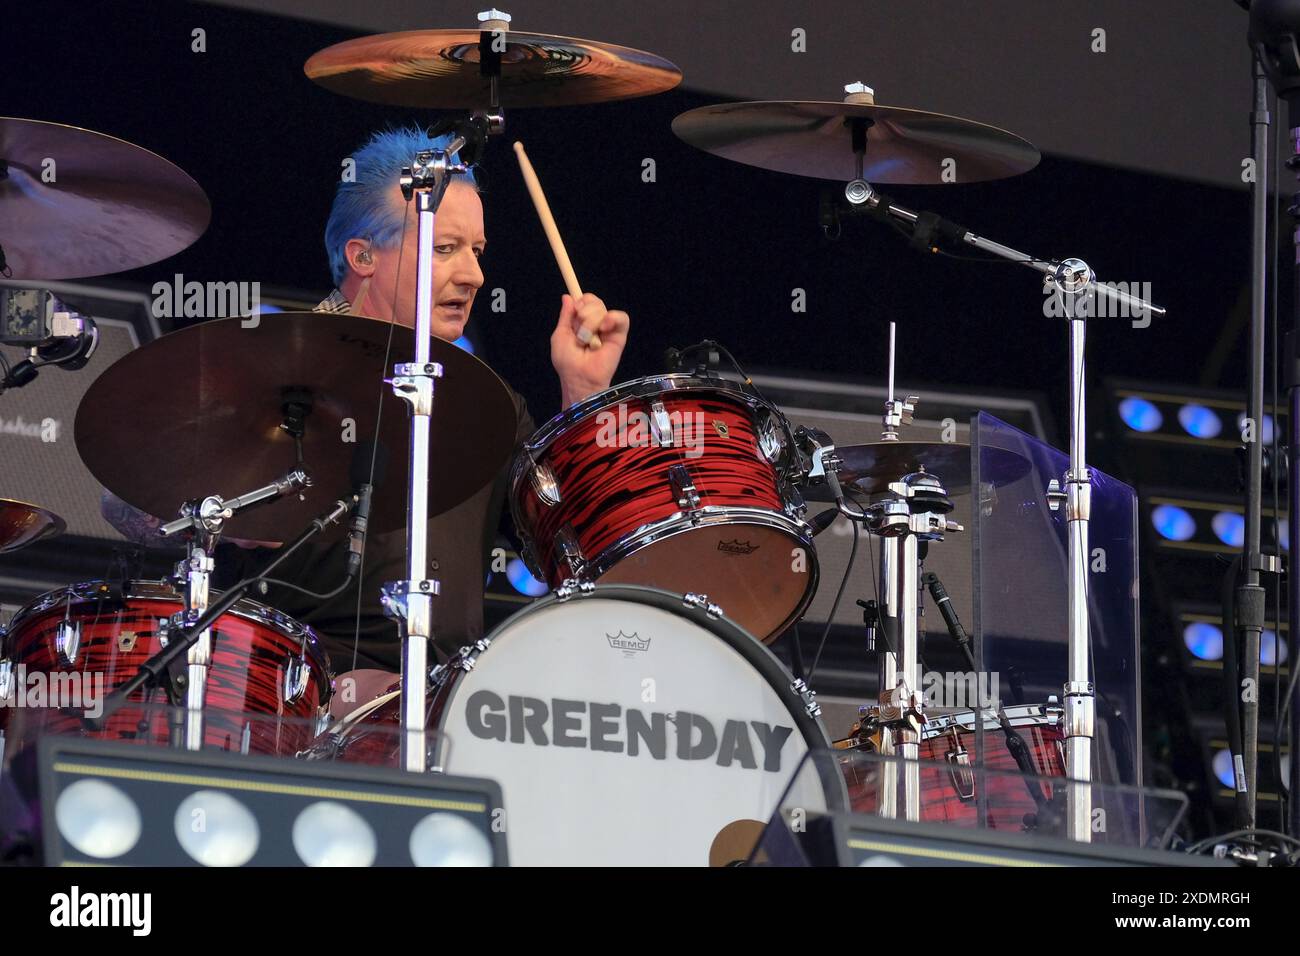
pixel 460 541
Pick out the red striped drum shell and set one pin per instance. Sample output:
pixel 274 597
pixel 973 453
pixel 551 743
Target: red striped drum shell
pixel 672 482
pixel 265 666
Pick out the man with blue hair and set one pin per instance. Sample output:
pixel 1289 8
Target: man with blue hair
pixel 371 242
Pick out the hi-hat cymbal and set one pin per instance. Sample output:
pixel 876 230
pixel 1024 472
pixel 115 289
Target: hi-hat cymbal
pixel 22 524
pixel 77 203
pixel 440 69
pixel 870 468
pixel 815 139
pixel 199 412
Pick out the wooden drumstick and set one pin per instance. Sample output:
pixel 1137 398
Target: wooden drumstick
pixel 552 233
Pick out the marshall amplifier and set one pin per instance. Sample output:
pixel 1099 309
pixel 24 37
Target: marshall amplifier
pixel 39 463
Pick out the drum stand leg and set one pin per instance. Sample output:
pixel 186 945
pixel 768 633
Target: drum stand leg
pixel 198 570
pixel 914 513
pixel 900 673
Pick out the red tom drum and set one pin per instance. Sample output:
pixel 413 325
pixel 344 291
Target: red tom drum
pixel 674 482
pixel 263 664
pixel 948 757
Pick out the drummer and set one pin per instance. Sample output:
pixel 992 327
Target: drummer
pixel 370 239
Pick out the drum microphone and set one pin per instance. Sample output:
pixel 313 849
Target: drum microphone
pixel 944 602
pixel 820 522
pixel 365 479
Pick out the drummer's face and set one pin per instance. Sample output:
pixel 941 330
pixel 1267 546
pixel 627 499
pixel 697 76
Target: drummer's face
pixel 458 243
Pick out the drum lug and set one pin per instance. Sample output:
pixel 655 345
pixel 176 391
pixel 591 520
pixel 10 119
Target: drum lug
pixel 464 660
pixel 6 678
pixel 769 441
pixel 67 641
pixel 568 551
pixel 295 679
pixel 571 586
pixel 661 425
pixel 808 696
pixel 701 603
pixel 795 506
pixel 544 484
pixel 688 499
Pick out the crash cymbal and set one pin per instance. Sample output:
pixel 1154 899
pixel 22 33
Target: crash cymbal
pixel 815 139
pixel 199 412
pixel 22 524
pixel 102 206
pixel 871 467
pixel 440 69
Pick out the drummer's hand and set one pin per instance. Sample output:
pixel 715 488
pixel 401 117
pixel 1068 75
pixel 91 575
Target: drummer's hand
pixel 585 371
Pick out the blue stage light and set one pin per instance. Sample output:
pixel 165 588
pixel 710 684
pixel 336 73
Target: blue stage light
pixel 1270 647
pixel 1140 415
pixel 1173 522
pixel 1199 422
pixel 464 343
pixel 1223 768
pixel 1204 640
pixel 523 581
pixel 1230 528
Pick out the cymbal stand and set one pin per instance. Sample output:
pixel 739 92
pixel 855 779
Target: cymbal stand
pixel 1077 292
pixel 205 520
pixel 425 182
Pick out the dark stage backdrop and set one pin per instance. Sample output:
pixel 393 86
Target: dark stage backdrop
pixel 709 248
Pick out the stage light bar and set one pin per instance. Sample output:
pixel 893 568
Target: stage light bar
pixel 1202 637
pixel 121 804
pixel 1210 526
pixel 1195 418
pixel 1218 760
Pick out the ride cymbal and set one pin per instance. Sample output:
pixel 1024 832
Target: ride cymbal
pixel 816 139
pixel 201 411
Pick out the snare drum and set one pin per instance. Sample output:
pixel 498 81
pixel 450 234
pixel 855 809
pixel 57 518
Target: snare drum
pixel 626 726
pixel 948 779
pixel 263 663
pixel 666 482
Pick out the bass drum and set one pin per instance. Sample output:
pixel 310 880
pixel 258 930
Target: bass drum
pixel 626 726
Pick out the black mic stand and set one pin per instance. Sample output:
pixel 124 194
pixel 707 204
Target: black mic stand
pixel 1274 39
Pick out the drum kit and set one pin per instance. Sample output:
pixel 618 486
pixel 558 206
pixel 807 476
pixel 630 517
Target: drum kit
pixel 635 714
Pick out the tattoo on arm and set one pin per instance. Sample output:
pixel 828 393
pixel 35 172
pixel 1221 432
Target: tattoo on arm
pixel 131 523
